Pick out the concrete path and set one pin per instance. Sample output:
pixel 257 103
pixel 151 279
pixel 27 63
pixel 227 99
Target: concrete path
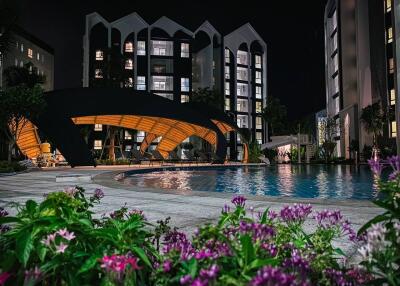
pixel 186 209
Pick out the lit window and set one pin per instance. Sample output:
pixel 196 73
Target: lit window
pixel 242 105
pixel 141 83
pixel 227 72
pixel 259 137
pixel 258 92
pixel 392 97
pixel 162 83
pixel 258 106
pixel 242 89
pixel 141 48
pixel 162 48
pixel 128 135
pixel 129 47
pixel 37 71
pixel 391 65
pixel 258 123
pixel 16 62
pixel 227 104
pixel 258 77
pixel 184 50
pixel 129 82
pixel 99 55
pixel 140 136
pixel 98 127
pixel 394 129
pixel 169 96
pixel 242 74
pixel 98 73
pixel 227 56
pixel 389 35
pixel 22 48
pixel 185 84
pixel 242 121
pixel 129 64
pixel 227 88
pixel 388 5
pixel 30 53
pixel 21 64
pixel 258 62
pixel 98 144
pixel 128 148
pixel 242 58
pixel 184 98
pixel 37 56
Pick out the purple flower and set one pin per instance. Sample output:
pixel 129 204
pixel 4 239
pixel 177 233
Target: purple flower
pixel 185 279
pixel 295 213
pixel 70 191
pixel 66 234
pixel 49 239
pixel 258 231
pixel 239 201
pixel 226 209
pixel 61 247
pixel 271 276
pixel 3 228
pixel 199 282
pixel 177 241
pixel 98 194
pixel 210 273
pixel 327 219
pixel 296 262
pixel 167 265
pixel 32 275
pixel 376 166
pixel 271 248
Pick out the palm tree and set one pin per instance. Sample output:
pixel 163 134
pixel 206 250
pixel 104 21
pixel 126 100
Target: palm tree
pixel 373 119
pixel 275 114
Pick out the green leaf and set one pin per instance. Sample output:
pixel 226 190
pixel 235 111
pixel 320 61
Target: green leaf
pixel 339 251
pixel 42 251
pixel 31 206
pixel 89 263
pixel 193 265
pixel 247 248
pixel 86 222
pixel 258 263
pixel 9 219
pixel 142 255
pixel 24 246
pixel 299 243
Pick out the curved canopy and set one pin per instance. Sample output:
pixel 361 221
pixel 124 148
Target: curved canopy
pixel 126 108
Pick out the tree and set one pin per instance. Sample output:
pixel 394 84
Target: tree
pixel 373 119
pixel 210 97
pixel 329 129
pixel 275 114
pixel 8 18
pixel 18 104
pixel 26 75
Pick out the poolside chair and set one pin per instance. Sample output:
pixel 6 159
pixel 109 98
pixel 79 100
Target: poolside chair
pixel 137 157
pixel 264 160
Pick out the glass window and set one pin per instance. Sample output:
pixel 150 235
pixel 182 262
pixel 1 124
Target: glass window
pixel 162 83
pixel 258 106
pixel 242 58
pixel 392 97
pixel 258 62
pixel 388 5
pixel 129 82
pixel 129 64
pixel 227 56
pixel 141 83
pixel 128 135
pixel 259 137
pixel 128 148
pixel 258 92
pixel 129 47
pixel 98 73
pixel 99 55
pixel 22 48
pixel 184 50
pixel 242 74
pixel 37 56
pixel 242 121
pixel 389 35
pixel 98 127
pixel 242 105
pixel 394 130
pixel 162 48
pixel 258 122
pixel 227 72
pixel 391 65
pixel 30 53
pixel 169 96
pixel 227 88
pixel 227 104
pixel 16 62
pixel 184 98
pixel 242 89
pixel 140 136
pixel 141 48
pixel 258 77
pixel 98 144
pixel 185 84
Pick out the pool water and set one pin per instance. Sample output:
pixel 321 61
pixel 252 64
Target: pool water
pixel 307 181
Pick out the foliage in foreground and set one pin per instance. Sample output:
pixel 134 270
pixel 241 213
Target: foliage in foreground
pixel 6 167
pixel 59 242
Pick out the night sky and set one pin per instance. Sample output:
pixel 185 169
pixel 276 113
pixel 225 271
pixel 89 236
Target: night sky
pixel 292 29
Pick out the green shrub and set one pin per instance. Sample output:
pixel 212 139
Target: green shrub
pixel 6 167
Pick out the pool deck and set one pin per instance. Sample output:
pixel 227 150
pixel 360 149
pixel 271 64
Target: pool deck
pixel 186 209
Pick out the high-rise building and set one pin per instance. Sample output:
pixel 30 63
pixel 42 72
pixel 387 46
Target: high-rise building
pixel 360 68
pixel 172 61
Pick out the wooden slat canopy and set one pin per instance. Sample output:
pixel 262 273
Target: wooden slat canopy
pixel 28 140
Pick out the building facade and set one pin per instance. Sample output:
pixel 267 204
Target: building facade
pixel 27 49
pixel 360 68
pixel 171 61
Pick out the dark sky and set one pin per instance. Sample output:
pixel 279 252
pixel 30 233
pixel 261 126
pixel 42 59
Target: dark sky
pixel 292 29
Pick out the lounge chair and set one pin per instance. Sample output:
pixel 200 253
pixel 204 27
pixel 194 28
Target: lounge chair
pixel 264 160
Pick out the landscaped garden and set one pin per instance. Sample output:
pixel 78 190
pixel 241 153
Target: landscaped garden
pixel 60 241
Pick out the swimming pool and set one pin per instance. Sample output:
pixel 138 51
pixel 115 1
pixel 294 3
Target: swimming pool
pixel 301 181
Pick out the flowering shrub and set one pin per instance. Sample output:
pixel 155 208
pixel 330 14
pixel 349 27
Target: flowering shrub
pixel 266 248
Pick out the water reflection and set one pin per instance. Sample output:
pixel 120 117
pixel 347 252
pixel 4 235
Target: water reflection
pixel 309 181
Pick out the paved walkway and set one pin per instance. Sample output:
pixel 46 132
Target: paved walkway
pixel 186 209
